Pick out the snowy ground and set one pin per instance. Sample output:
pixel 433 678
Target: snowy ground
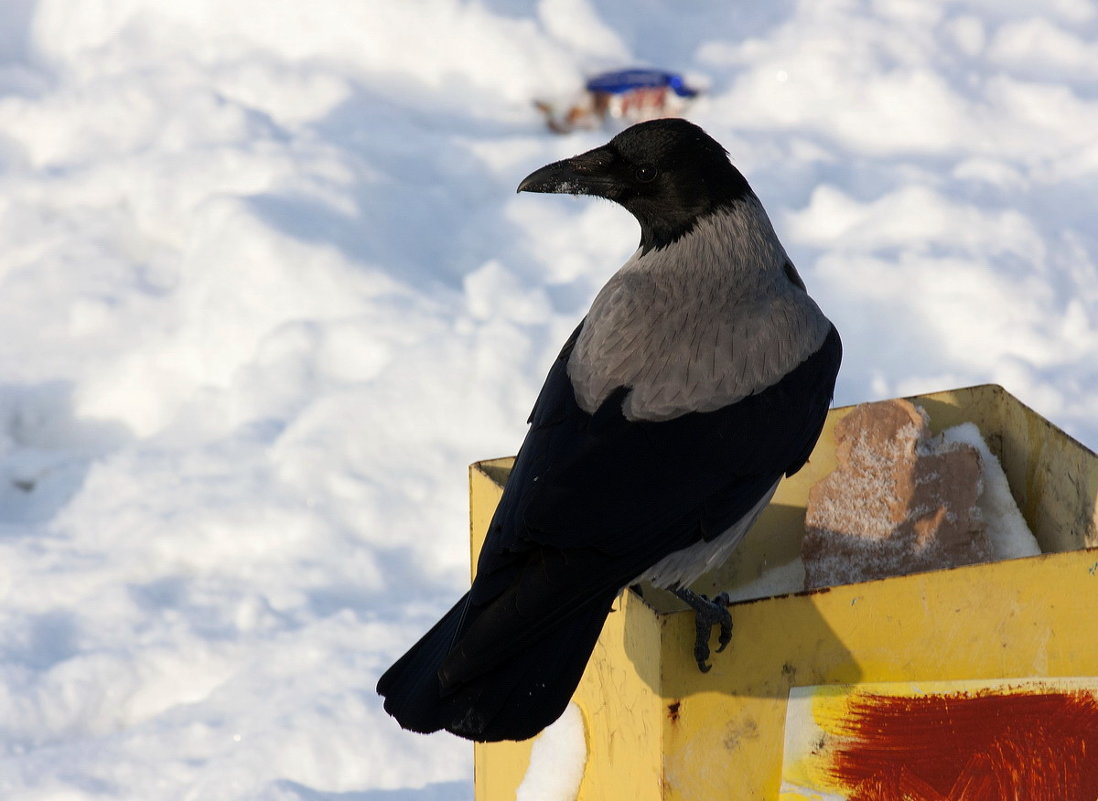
pixel 266 289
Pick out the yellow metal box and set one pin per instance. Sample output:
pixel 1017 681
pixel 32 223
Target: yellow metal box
pixel 657 728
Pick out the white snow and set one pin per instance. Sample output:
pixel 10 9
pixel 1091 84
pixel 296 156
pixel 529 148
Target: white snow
pixel 557 760
pixel 1010 535
pixel 267 289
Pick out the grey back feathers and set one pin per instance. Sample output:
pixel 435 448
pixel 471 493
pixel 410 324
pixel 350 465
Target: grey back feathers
pixel 697 325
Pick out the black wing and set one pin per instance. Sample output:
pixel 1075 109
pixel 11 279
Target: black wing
pixel 638 491
pixel 592 502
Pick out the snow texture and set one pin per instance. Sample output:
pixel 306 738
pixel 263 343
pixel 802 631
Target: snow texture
pixel 267 289
pixel 557 760
pixel 1010 535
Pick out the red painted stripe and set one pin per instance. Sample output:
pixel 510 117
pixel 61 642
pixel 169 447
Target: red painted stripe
pixel 1002 746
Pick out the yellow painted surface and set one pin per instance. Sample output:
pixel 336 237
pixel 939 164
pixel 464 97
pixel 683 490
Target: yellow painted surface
pixel 660 729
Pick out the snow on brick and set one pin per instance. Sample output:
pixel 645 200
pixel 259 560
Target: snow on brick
pixel 899 502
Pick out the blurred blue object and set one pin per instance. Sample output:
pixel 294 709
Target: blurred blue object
pixel 623 81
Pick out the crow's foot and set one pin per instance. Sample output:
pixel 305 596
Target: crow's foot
pixel 707 614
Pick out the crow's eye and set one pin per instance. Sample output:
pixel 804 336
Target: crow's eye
pixel 646 174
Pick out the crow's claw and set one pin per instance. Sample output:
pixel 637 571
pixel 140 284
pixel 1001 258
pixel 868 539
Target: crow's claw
pixel 722 601
pixel 707 614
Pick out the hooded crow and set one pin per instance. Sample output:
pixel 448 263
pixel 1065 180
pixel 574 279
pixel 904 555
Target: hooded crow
pixel 700 376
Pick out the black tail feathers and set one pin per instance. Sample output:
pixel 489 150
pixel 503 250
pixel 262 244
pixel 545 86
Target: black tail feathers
pixel 512 700
pixel 411 685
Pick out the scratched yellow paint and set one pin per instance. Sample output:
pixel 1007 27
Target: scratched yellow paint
pixel 659 730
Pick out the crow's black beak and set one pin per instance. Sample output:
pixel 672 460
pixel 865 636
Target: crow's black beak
pixel 585 174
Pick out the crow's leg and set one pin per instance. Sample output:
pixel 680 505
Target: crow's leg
pixel 707 614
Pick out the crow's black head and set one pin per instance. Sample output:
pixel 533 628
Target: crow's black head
pixel 668 173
